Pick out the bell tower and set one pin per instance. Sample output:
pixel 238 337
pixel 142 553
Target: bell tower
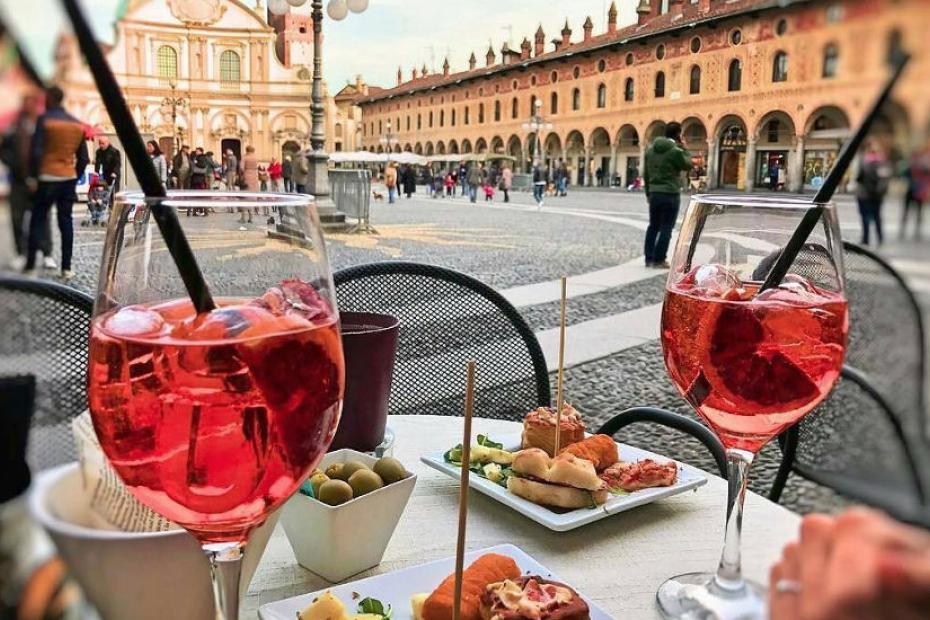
pixel 294 44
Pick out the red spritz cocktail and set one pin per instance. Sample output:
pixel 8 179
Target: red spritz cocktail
pixel 214 420
pixel 752 364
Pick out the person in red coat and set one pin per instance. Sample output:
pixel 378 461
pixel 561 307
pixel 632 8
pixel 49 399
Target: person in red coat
pixel 276 174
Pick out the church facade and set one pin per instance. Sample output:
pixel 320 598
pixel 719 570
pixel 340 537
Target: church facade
pixel 766 90
pixel 220 74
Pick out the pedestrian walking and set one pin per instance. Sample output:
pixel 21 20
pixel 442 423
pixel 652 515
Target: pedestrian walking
pixel 666 159
pixel 158 160
pixel 917 174
pixel 506 182
pixel 275 174
pixel 250 170
pixel 871 187
pixel 462 178
pixel 390 181
pixel 473 178
pixel 199 170
pixel 488 191
pixel 449 184
pixel 108 162
pixel 562 176
pixel 58 157
pixel 231 170
pixel 181 168
pixel 263 178
pixel 539 184
pixel 287 174
pixel 773 176
pixel 410 181
pixel 15 150
pixel 301 172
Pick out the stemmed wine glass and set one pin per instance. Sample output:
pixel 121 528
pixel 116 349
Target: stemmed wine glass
pixel 214 419
pixel 751 362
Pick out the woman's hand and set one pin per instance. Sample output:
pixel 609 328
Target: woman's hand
pixel 856 566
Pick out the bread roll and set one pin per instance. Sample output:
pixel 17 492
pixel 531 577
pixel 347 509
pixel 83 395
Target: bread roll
pixel 554 495
pixel 573 471
pixel 533 462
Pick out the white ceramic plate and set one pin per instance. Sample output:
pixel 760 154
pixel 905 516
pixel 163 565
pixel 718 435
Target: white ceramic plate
pixel 688 478
pixel 396 588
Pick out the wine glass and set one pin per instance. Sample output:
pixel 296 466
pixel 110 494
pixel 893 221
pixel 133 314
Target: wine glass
pixel 751 362
pixel 213 420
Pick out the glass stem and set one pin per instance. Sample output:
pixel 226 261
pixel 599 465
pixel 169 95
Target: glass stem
pixel 225 568
pixel 729 573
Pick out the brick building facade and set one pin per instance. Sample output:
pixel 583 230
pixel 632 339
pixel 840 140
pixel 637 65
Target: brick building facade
pixel 756 84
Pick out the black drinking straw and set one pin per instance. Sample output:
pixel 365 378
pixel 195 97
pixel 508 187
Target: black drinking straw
pixel 840 166
pixel 167 219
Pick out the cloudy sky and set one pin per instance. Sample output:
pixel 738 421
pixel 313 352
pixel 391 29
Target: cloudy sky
pixel 373 44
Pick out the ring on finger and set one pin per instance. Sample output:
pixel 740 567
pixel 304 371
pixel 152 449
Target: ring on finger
pixel 788 586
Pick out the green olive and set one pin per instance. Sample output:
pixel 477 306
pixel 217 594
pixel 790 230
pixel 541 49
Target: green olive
pixel 334 471
pixel 365 481
pixel 316 481
pixel 350 468
pixel 390 469
pixel 335 492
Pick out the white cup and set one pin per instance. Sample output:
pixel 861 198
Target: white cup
pixel 143 576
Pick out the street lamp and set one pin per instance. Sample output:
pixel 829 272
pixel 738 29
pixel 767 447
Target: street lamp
pixel 175 103
pixel 389 140
pixel 537 124
pixel 337 9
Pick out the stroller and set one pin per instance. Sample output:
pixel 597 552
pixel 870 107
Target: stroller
pixel 99 200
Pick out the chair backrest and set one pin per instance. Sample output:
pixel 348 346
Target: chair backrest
pixel 862 440
pixel 44 333
pixel 446 319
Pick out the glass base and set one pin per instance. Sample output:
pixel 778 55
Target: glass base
pixel 698 596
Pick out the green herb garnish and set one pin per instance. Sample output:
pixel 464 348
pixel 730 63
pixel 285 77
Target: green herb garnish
pixel 484 440
pixel 454 455
pixel 373 606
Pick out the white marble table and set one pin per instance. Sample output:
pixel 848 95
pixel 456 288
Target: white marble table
pixel 618 562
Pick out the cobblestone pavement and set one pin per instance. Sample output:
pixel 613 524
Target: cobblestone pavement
pixel 516 244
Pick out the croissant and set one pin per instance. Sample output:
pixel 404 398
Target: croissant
pixel 487 569
pixel 599 449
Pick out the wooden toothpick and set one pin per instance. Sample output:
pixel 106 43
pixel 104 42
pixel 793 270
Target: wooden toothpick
pixel 559 392
pixel 463 490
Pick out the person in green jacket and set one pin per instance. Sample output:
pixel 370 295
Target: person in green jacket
pixel 666 159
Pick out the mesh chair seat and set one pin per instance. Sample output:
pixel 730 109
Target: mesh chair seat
pixel 861 441
pixel 44 333
pixel 446 319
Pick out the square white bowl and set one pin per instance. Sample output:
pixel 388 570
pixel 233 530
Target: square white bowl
pixel 336 542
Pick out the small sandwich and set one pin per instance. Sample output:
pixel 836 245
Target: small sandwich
pixel 531 597
pixel 539 428
pixel 563 482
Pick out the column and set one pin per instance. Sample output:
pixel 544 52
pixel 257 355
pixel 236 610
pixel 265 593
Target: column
pixel 588 175
pixel 712 164
pixel 795 180
pixel 211 51
pixel 612 169
pixel 750 164
pixel 642 162
pixel 149 52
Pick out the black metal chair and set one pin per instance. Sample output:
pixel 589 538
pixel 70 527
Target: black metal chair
pixel 44 333
pixel 654 415
pixel 868 439
pixel 446 319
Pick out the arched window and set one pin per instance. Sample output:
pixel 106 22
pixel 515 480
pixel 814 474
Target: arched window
pixel 467 115
pixel 338 130
pixel 431 120
pixel 408 123
pixel 576 99
pixel 660 84
pixel 694 86
pixel 497 111
pixel 602 96
pixel 230 67
pixel 831 60
pixel 735 75
pixel 554 103
pixel 480 113
pixel 895 45
pixel 780 67
pixel 533 101
pixel 442 118
pixel 167 59
pixel 629 90
pixel 515 108
pixel 453 117
pixel 419 122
